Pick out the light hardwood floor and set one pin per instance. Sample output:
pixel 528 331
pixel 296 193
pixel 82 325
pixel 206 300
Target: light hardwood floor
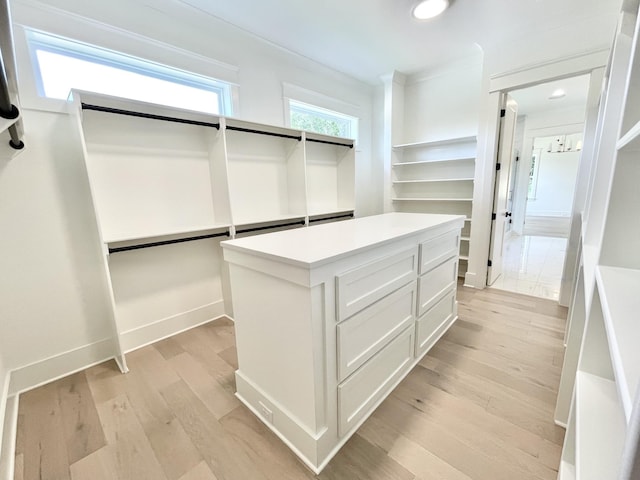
pixel 478 406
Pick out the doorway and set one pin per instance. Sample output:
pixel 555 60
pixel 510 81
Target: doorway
pixel 538 187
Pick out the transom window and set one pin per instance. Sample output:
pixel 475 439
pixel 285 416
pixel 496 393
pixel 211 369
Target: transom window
pixel 61 64
pixel 320 120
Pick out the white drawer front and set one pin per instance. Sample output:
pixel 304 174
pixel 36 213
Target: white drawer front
pixel 363 335
pixel 429 326
pixel 433 285
pixel 361 392
pixel 365 285
pixel 436 250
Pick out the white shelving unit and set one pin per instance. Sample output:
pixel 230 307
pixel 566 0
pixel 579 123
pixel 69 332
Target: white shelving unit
pixel 602 360
pixel 181 181
pixel 436 177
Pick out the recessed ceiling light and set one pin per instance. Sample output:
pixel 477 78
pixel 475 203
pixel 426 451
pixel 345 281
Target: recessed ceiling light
pixel 558 93
pixel 430 8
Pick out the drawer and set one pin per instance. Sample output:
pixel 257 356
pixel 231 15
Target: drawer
pixel 364 334
pixel 436 250
pixel 360 287
pixel 435 284
pixel 431 324
pixel 363 390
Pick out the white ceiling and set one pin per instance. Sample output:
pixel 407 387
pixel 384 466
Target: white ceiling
pixel 536 99
pixel 368 38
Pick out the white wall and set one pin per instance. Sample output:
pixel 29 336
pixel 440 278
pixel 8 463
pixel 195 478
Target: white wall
pixel 552 122
pixel 443 102
pixel 51 290
pixel 556 183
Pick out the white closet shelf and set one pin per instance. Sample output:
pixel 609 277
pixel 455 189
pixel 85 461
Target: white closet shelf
pixel 438 160
pixel 324 213
pixel 619 290
pixel 464 257
pixel 435 180
pixel 631 139
pixel 271 220
pixel 598 417
pixel 465 239
pixel 422 199
pixel 436 143
pixel 193 231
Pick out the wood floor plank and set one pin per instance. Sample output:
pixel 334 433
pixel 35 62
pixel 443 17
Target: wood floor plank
pixel 127 444
pixel 168 348
pixel 270 455
pixel 45 447
pixel 97 466
pixel 479 406
pixel 170 443
pixel 218 400
pixel 361 460
pixel 82 428
pixel 208 436
pixel 199 472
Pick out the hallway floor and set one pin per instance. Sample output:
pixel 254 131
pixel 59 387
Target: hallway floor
pixel 533 265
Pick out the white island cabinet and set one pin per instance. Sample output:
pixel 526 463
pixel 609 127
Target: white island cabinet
pixel 330 318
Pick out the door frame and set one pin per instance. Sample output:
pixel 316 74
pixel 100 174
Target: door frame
pixel 591 63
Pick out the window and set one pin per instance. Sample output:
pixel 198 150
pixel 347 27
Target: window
pixel 62 64
pixel 320 120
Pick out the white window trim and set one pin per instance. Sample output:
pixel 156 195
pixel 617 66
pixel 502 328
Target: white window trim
pixel 298 94
pixel 37 16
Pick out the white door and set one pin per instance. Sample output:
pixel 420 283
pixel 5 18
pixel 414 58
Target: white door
pixel 501 213
pixel 513 180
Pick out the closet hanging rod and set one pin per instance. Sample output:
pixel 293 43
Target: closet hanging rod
pixel 350 145
pixel 260 132
pixel 334 217
pixel 268 227
pixel 167 242
pixel 130 113
pixel 8 111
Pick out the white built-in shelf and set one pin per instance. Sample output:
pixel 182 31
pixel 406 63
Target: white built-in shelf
pixel 467 220
pixel 187 232
pixel 272 220
pixel 435 180
pixel 465 239
pixel 438 160
pixel 422 199
pixel 436 143
pixel 600 428
pixel 464 257
pixel 631 138
pixel 619 290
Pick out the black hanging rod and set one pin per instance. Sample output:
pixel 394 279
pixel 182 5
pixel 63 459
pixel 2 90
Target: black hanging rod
pixel 335 217
pixel 260 132
pixel 350 145
pixel 268 227
pixel 167 242
pixel 130 113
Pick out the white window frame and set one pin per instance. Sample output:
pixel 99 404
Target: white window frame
pixel 37 40
pixel 323 105
pixel 324 113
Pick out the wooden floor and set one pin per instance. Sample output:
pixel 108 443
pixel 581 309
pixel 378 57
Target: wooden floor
pixel 478 406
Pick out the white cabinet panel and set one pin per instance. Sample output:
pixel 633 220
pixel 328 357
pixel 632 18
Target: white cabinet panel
pixel 360 337
pixel 365 285
pixel 433 285
pixel 435 251
pixel 360 393
pixel 429 325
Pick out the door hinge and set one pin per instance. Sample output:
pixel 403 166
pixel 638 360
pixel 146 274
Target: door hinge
pixel 493 216
pixel 489 263
pixel 498 166
pixel 517 158
pixel 503 112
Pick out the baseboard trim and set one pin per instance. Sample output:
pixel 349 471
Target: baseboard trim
pixel 60 365
pixel 166 327
pixel 8 435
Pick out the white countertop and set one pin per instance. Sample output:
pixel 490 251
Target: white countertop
pixel 311 246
